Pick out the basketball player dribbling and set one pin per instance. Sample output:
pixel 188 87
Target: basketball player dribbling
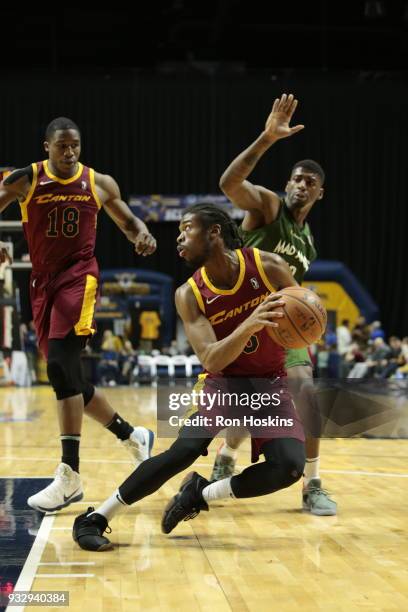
pixel 60 200
pixel 279 226
pixel 225 307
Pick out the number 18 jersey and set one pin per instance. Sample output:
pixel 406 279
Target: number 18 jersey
pixel 59 218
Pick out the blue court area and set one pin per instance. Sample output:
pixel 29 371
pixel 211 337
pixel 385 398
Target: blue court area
pixel 19 525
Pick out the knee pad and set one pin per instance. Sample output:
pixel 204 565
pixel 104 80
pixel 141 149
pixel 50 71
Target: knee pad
pixel 288 456
pixel 292 469
pixel 64 367
pixel 275 477
pixel 62 380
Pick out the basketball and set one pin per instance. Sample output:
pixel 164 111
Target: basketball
pixel 305 319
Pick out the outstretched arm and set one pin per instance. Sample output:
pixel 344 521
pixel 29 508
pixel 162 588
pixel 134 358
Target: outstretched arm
pixel 215 355
pixel 254 198
pixel 133 228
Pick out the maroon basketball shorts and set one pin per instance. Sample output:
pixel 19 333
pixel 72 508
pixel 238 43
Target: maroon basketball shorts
pixel 64 301
pixel 264 406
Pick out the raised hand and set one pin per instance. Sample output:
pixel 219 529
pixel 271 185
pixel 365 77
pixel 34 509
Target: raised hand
pixel 277 124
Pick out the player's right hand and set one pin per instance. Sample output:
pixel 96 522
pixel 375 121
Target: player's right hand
pixel 265 314
pixel 145 244
pixel 4 253
pixel 277 124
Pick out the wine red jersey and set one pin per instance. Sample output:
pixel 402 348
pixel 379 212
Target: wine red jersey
pixel 59 218
pixel 227 308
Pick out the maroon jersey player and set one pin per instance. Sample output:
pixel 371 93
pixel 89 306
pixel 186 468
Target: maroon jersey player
pixel 252 287
pixel 59 200
pixel 225 308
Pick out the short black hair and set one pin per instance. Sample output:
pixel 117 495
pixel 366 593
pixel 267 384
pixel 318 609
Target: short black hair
pixel 210 214
pixel 60 123
pixel 312 166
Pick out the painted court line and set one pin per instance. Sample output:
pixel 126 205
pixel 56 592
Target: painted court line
pixel 59 563
pixel 62 529
pixel 361 473
pixel 63 576
pixel 29 570
pixel 23 477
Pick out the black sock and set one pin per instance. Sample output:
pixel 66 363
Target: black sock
pixel 70 450
pixel 119 427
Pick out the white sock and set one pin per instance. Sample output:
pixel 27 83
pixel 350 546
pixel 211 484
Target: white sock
pixel 139 434
pixel 227 451
pixel 311 469
pixel 220 489
pixel 111 506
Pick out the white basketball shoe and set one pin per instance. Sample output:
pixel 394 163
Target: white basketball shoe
pixel 139 444
pixel 65 489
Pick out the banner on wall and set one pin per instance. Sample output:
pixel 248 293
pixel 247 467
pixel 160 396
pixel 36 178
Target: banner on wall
pixel 171 207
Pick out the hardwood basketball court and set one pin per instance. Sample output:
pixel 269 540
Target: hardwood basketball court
pixel 244 555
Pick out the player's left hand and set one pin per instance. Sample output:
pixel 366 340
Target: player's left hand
pixel 277 125
pixel 145 244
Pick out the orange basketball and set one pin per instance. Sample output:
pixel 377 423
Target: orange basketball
pixel 305 318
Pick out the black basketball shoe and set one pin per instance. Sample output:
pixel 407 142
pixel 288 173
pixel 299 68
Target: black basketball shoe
pixel 88 531
pixel 186 504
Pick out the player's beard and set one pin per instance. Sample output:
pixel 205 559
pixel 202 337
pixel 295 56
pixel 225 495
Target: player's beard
pixel 199 260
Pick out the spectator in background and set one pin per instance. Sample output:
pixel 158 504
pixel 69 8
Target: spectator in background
pixel 330 336
pixel 404 348
pixel 149 335
pixel 322 360
pixel 402 371
pixel 354 355
pixel 376 330
pixel 395 358
pixel 375 361
pixel 361 332
pixel 110 342
pixel 343 343
pixel 30 347
pixel 378 359
pixel 333 362
pixel 127 361
pixel 343 337
pixel 108 367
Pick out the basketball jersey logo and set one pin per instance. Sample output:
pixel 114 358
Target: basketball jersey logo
pixel 254 282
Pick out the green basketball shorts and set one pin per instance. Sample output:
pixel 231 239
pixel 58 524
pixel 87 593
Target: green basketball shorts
pixel 297 357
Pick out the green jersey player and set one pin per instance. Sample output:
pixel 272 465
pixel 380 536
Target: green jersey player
pixel 279 225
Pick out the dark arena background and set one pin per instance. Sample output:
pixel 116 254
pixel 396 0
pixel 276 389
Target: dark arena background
pixel 166 95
